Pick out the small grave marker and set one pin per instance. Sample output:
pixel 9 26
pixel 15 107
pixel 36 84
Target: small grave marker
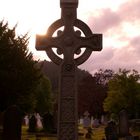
pixel 123 124
pixel 12 123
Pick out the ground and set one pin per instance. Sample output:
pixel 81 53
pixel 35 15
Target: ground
pixel 98 134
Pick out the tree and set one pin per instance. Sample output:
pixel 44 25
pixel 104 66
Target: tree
pixel 44 101
pixel 18 74
pixel 124 92
pixel 90 96
pixel 102 77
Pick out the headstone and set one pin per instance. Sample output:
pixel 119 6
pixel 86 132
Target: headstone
pixel 81 121
pixel 104 120
pixel 39 120
pixel 111 131
pixel 12 123
pixel 32 123
pixel 68 43
pixel 48 123
pixel 123 124
pixel 96 123
pixel 86 122
pixel 26 120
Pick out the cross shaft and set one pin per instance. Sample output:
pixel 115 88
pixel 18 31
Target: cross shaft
pixel 68 42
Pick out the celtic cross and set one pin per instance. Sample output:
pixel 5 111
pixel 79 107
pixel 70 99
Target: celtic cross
pixel 68 42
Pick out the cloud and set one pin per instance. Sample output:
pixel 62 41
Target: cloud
pixel 99 60
pixel 104 21
pixel 135 47
pixel 130 10
pixel 135 43
pixel 113 58
pixel 126 54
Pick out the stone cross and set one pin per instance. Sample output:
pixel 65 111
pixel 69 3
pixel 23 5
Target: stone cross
pixel 68 42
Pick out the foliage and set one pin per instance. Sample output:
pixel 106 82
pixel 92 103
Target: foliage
pixel 123 92
pixel 44 96
pixel 18 74
pixel 92 90
pixel 102 77
pixel 90 96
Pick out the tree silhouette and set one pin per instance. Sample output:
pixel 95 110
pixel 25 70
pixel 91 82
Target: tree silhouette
pixel 18 74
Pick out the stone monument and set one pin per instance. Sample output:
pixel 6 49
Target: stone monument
pixel 12 123
pixel 123 123
pixel 68 43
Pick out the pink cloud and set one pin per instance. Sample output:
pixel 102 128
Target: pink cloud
pixel 105 21
pixel 130 10
pixel 108 19
pixel 109 23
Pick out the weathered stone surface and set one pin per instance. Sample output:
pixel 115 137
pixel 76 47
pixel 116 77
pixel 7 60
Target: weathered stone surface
pixel 68 42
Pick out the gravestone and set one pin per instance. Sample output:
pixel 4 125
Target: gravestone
pixel 81 120
pixel 123 124
pixel 48 122
pixel 86 122
pixel 39 120
pixel 68 43
pixel 96 123
pixel 104 120
pixel 26 120
pixel 111 131
pixel 12 123
pixel 32 124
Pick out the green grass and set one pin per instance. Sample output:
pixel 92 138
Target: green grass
pixel 98 134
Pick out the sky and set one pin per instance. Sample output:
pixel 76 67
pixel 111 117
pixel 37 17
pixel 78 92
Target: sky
pixel 118 21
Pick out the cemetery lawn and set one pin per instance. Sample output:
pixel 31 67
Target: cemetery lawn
pixel 98 134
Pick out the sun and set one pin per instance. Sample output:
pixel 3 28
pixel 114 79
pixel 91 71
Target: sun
pixel 35 16
pixel 31 16
pixel 35 19
pixel 43 15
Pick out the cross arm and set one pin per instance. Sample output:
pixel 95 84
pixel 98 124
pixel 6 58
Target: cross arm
pixel 93 42
pixel 43 42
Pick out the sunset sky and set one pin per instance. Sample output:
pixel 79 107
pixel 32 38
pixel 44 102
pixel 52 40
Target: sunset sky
pixel 118 21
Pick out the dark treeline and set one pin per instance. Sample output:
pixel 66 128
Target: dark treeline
pixel 104 92
pixel 92 90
